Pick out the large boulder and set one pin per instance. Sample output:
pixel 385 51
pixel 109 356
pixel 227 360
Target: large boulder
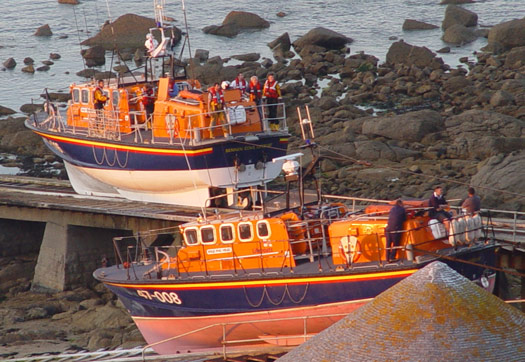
pixel 410 127
pixel 411 24
pixel 323 37
pixel 281 44
pixel 457 15
pixel 245 20
pixel 478 134
pixel 127 32
pixel 507 35
pixel 404 53
pixel 459 34
pixel 235 22
pixel 502 173
pixel 94 56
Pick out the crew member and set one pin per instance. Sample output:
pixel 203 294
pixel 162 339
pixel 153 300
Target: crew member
pixel 396 218
pixel 272 92
pixel 148 101
pixel 100 101
pixel 216 100
pixel 240 83
pixel 472 203
pixel 150 44
pixel 255 92
pixel 438 205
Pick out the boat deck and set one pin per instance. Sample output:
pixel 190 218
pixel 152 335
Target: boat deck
pixel 320 266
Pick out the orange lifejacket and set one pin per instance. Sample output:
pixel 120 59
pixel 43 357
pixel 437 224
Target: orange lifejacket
pixel 255 91
pixel 271 89
pixel 147 97
pixel 217 97
pixel 239 84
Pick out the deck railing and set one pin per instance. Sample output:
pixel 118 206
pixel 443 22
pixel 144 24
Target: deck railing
pixel 107 125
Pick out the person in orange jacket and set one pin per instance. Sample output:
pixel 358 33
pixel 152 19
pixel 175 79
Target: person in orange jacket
pixel 272 92
pixel 216 101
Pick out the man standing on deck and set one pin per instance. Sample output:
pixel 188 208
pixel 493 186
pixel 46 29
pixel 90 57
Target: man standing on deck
pixel 396 218
pixel 472 203
pixel 99 102
pixel 216 100
pixel 272 92
pixel 255 92
pixel 239 83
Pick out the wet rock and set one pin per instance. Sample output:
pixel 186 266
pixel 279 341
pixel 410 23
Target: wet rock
pixel 31 108
pixel 4 111
pixel 47 62
pixel 9 63
pixel 456 2
pixel 444 50
pixel 404 53
pixel 457 15
pixel 57 96
pixel 94 56
pixel 235 22
pixel 245 20
pixel 54 56
pixel 507 35
pixel 70 2
pixel 202 55
pixel 44 30
pixel 87 73
pixel 410 127
pixel 28 60
pixel 127 32
pixel 121 69
pixel 229 31
pixel 323 37
pixel 43 68
pixel 411 24
pixel 281 44
pixel 249 57
pixel 459 34
pixel 28 69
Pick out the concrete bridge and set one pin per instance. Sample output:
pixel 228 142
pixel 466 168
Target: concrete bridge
pixel 71 231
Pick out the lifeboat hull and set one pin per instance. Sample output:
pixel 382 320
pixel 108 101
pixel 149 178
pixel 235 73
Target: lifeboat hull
pixel 173 174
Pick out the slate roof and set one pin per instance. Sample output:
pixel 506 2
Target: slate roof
pixel 434 315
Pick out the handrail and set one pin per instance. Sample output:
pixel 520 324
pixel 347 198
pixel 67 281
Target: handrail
pixel 224 325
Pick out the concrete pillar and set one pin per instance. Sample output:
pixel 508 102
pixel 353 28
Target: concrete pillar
pixel 69 254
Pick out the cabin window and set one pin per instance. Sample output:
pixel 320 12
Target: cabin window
pixel 245 231
pixel 76 95
pixel 190 236
pixel 263 229
pixel 115 99
pixel 85 95
pixel 208 235
pixel 227 234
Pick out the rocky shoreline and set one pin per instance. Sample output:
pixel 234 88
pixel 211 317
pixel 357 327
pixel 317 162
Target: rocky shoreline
pixel 385 130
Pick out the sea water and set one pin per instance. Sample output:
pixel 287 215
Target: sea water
pixel 371 23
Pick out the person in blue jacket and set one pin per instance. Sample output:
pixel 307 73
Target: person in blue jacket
pixel 396 218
